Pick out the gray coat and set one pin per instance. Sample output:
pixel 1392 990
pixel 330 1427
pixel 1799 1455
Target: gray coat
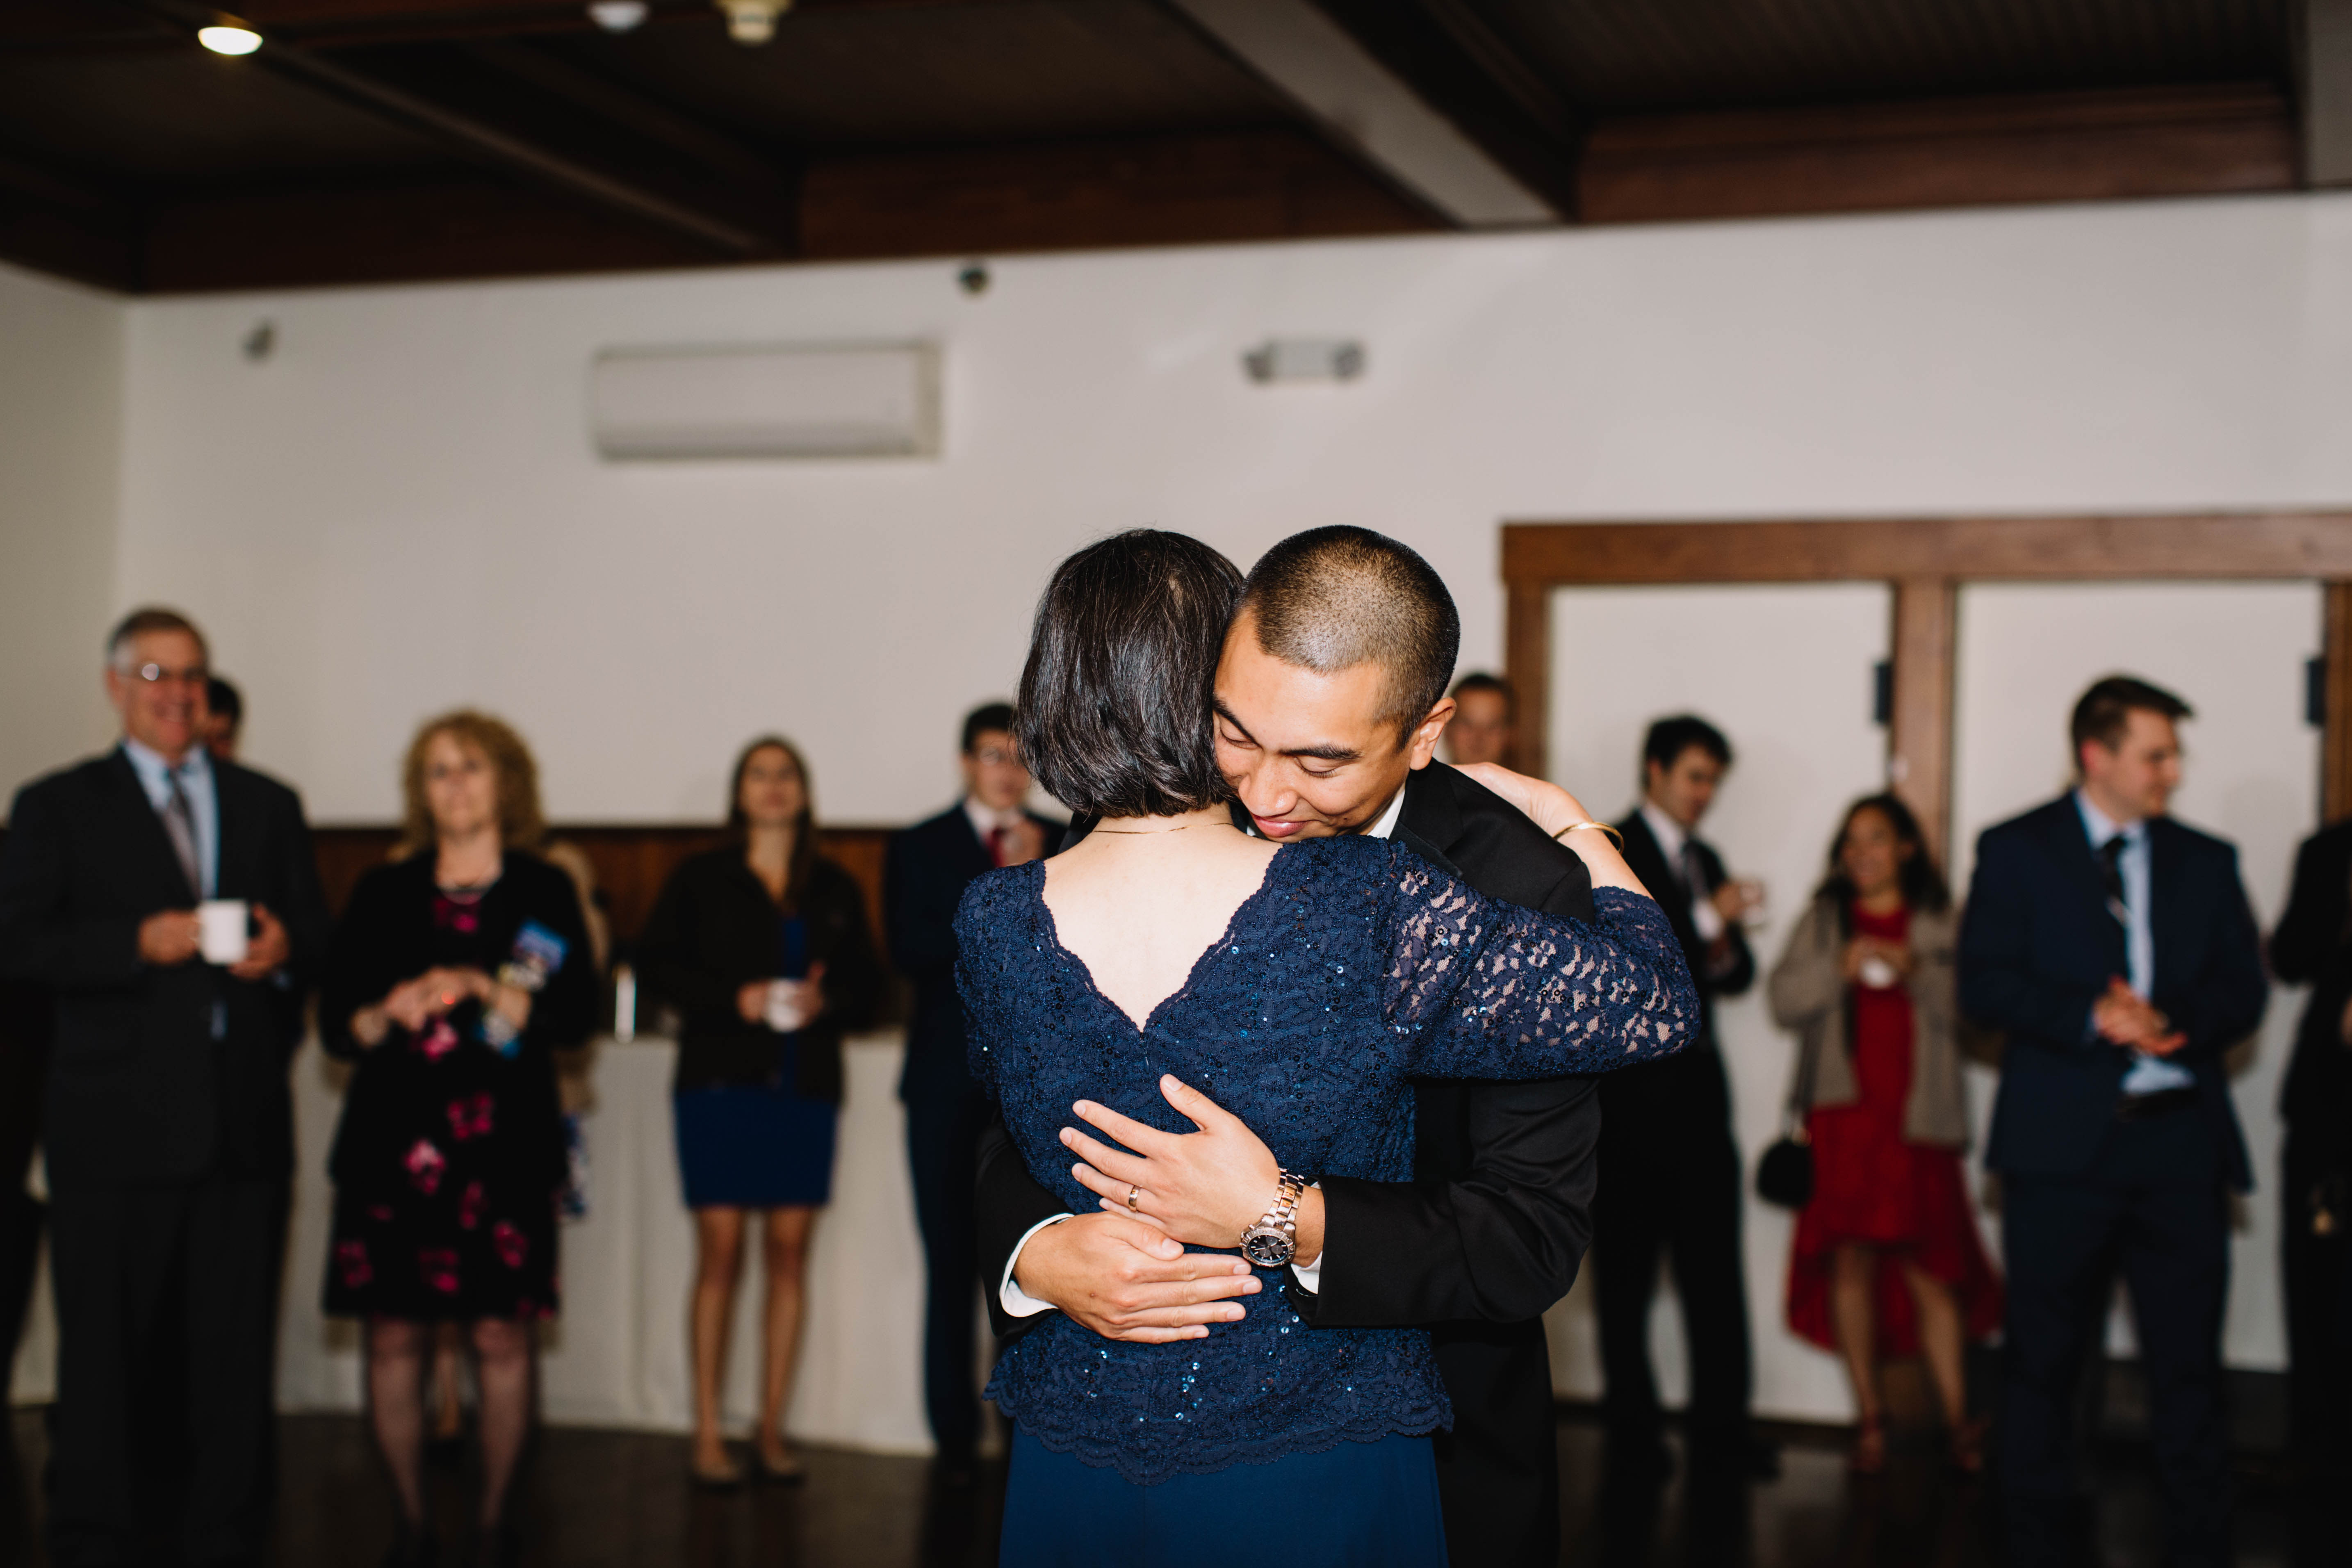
pixel 1808 995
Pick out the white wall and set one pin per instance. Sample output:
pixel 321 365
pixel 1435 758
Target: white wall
pixel 60 429
pixel 400 511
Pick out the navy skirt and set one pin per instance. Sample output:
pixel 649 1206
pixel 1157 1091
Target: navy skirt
pixel 1356 1505
pixel 754 1146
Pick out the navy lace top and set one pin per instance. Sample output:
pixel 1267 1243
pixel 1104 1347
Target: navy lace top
pixel 1354 965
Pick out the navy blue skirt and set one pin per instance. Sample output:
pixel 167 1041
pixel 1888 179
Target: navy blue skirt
pixel 1356 1505
pixel 754 1146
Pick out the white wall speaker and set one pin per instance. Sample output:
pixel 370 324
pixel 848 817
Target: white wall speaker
pixel 843 400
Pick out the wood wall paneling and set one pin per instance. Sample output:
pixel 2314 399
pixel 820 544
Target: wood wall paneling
pixel 1921 646
pixel 632 862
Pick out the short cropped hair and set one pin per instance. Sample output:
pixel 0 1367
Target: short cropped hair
pixel 1479 680
pixel 981 721
pixel 149 619
pixel 222 697
pixel 2105 711
pixel 1332 598
pixel 1670 737
pixel 1115 697
pixel 521 824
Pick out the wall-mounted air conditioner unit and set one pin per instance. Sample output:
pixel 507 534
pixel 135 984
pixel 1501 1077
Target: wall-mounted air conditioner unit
pixel 847 400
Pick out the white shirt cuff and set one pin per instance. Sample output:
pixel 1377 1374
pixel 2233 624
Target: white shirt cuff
pixel 1018 1302
pixel 1309 1274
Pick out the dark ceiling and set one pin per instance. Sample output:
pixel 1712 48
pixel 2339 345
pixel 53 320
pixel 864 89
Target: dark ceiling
pixel 399 139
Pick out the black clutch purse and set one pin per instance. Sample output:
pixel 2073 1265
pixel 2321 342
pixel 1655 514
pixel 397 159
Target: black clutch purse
pixel 1785 1175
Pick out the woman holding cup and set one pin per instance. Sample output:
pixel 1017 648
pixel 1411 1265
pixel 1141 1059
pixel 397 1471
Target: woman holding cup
pixel 763 946
pixel 454 975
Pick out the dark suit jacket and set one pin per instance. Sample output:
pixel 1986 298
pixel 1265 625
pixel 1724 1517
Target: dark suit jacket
pixel 1496 1220
pixel 139 1090
pixel 1688 1088
pixel 924 875
pixel 2038 946
pixel 2313 944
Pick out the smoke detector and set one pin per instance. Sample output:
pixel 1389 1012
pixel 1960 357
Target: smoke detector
pixel 752 21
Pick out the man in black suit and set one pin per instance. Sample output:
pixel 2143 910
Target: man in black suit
pixel 1669 1166
pixel 168 1124
pixel 2312 944
pixel 2115 947
pixel 1490 1232
pixel 924 876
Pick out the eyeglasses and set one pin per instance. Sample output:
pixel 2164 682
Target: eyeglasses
pixel 993 756
pixel 156 675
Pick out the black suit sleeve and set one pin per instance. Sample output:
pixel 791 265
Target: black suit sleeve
pixel 43 939
pixel 1736 972
pixel 1009 1203
pixel 2224 1004
pixel 1501 1243
pixel 2312 934
pixel 305 915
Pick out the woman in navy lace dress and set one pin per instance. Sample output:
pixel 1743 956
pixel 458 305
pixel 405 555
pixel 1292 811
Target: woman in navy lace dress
pixel 1299 987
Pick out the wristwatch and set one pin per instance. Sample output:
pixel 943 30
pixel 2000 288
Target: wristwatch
pixel 1274 1239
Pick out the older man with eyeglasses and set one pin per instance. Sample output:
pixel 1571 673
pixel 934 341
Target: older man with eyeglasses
pixel 169 902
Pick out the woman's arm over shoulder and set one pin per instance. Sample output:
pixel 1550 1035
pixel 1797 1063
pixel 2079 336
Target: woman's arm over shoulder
pixel 1810 979
pixel 1492 990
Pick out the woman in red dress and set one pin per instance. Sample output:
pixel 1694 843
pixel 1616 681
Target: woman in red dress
pixel 1886 1259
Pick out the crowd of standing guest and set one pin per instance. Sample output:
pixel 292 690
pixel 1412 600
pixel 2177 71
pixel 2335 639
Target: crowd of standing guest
pixel 164 904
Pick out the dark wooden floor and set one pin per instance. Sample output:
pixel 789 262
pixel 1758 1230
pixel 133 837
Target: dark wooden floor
pixel 620 1499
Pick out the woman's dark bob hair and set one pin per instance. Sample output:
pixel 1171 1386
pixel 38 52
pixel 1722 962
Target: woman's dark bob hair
pixel 1114 714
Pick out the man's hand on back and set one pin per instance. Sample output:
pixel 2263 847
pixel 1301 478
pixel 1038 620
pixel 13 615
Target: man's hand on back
pixel 1126 1280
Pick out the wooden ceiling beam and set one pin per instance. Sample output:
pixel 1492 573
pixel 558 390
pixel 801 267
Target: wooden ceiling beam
pixel 1363 107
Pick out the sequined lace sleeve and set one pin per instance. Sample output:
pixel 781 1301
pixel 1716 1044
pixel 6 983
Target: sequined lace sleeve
pixel 1487 989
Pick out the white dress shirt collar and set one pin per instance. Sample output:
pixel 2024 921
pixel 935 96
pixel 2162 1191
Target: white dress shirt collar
pixel 986 820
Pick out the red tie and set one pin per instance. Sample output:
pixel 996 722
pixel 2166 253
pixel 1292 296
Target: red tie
pixel 996 837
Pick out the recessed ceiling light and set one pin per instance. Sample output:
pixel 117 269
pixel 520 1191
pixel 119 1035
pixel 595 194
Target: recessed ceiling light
pixel 229 37
pixel 618 15
pixel 752 21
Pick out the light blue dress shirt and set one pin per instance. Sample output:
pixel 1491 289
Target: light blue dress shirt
pixel 2148 1074
pixel 195 776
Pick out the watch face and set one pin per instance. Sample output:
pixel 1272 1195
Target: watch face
pixel 1266 1246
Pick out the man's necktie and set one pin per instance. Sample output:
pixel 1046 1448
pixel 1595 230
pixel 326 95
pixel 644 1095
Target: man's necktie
pixel 1693 873
pixel 180 828
pixel 2111 872
pixel 996 836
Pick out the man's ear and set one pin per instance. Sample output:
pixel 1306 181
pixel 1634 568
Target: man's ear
pixel 1423 742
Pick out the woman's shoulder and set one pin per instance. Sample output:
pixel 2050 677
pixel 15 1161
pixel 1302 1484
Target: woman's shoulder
pixel 995 894
pixel 403 878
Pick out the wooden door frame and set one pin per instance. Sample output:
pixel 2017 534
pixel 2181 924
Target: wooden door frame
pixel 1924 561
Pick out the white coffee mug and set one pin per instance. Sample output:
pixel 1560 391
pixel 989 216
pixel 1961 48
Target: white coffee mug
pixel 1878 975
pixel 786 1009
pixel 223 929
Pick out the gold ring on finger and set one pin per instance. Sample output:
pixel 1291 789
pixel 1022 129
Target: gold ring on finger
pixel 1133 1192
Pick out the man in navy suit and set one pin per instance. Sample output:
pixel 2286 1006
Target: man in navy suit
pixel 923 882
pixel 2115 947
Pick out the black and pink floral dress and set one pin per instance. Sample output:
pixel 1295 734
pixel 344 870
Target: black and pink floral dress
pixel 450 1156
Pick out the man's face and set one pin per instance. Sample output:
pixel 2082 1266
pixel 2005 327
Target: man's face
pixel 1686 789
pixel 1481 730
pixel 2136 778
pixel 1309 755
pixel 165 714
pixel 992 772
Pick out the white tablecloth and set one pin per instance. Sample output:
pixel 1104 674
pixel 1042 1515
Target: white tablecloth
pixel 618 1355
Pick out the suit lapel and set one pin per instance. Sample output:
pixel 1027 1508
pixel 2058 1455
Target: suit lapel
pixel 2069 846
pixel 1432 815
pixel 151 843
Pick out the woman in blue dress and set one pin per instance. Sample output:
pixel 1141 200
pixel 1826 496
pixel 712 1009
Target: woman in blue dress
pixel 1299 987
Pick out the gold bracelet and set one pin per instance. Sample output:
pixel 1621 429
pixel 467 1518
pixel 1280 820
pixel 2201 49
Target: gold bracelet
pixel 1603 826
